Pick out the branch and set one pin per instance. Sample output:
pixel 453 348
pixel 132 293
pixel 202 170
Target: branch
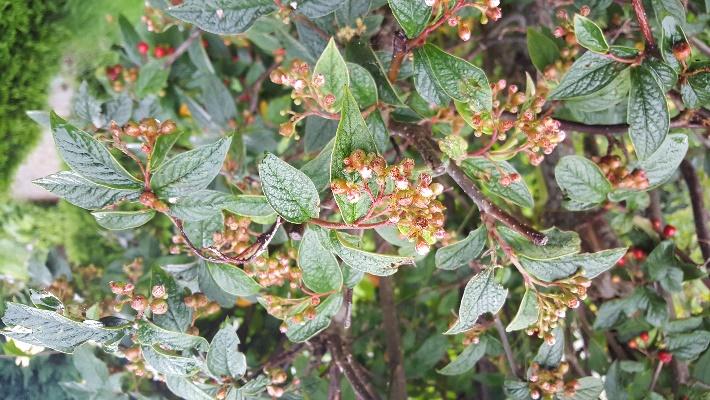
pixel 348 366
pixel 506 346
pixel 182 48
pixel 695 190
pixel 688 118
pixel 644 25
pixel 398 380
pixel 425 144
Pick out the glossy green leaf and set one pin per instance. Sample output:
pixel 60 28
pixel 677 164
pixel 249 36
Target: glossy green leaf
pixel 170 363
pixel 665 75
pixel 233 280
pixel 179 316
pixel 362 85
pixel 412 15
pixel 149 334
pixel 672 35
pixel 543 51
pixel 352 134
pixel 371 263
pixel 688 346
pixel 88 157
pixel 359 51
pixel 662 164
pixel 550 355
pixel 190 171
pixel 332 66
pixel 468 358
pixel 120 220
pixel 84 193
pixel 459 79
pixel 50 329
pixel 589 35
pixel 664 268
pixel 527 312
pixel 152 77
pixel 317 8
pixel 223 358
pixel 589 74
pixel 696 90
pixel 589 389
pixel 489 174
pixel 185 388
pixel 324 313
pixel 201 233
pixel 481 295
pixel 425 83
pixel 593 264
pixel 648 115
pixel 222 17
pixel 289 191
pixel 320 270
pixel 559 244
pixel 462 252
pixel 581 179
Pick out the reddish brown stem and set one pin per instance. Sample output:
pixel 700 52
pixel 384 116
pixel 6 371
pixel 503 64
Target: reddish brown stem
pixel 644 25
pixel 695 189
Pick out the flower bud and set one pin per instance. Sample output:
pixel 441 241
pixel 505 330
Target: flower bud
pixel 159 306
pixel 318 80
pixel 158 291
pixel 116 287
pixel 167 127
pixel 681 51
pixel 139 303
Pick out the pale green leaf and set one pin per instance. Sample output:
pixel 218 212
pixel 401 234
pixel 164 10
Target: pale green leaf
pixel 593 264
pixel 120 220
pixel 489 174
pixel 222 17
pixel 412 15
pixel 481 295
pixel 559 244
pixel 462 252
pixel 233 280
pixel 309 328
pixel 84 193
pixel 648 115
pixel 289 191
pixel 589 35
pixel 332 66
pixel 320 270
pixel 527 312
pixel 589 74
pixel 468 358
pixel 371 263
pixel 582 180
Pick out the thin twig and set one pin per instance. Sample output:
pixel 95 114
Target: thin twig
pixel 644 25
pixel 695 190
pixel 506 346
pixel 390 323
pixel 194 34
pixel 656 374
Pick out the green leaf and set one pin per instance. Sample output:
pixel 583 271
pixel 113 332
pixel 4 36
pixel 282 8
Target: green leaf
pixel 543 51
pixel 190 171
pixel 371 263
pixel 332 66
pixel 688 346
pixel 589 389
pixel 184 388
pixel 589 35
pixel 49 329
pixel 289 191
pixel 696 90
pixel 481 295
pixel 84 193
pixel 527 312
pixel 223 358
pixel 665 75
pixel 648 115
pixel 459 79
pixel 351 10
pixel 412 15
pixel 489 174
pixel 672 35
pixel 462 252
pixel 466 360
pixel 664 268
pixel 362 85
pixel 120 220
pixel 149 334
pixel 201 232
pixel 169 363
pixel 517 390
pixel 550 355
pixel 662 164
pixel 130 40
pixel 163 145
pixel 360 52
pixel 589 74
pixel 222 17
pixel 318 169
pixel 593 264
pixel 206 203
pixel 152 77
pixel 320 270
pixel 93 371
pixel 324 313
pixel 425 83
pixel 87 107
pixel 88 157
pixel 46 301
pixel 352 134
pixel 317 8
pixel 656 310
pixel 559 244
pixel 582 180
pixel 233 280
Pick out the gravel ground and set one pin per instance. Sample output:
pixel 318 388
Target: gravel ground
pixel 44 159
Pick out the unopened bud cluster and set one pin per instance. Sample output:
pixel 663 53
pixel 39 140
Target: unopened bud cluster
pixel 147 130
pixel 490 11
pixel 119 76
pixel 125 295
pixel 293 311
pixel 545 383
pixel 136 363
pixel 619 176
pixel 552 307
pixel 276 269
pixel 202 307
pixel 412 206
pixel 277 378
pixel 306 91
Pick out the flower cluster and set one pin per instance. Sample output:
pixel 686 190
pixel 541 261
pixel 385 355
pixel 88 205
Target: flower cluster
pixel 147 131
pixel 201 306
pixel 306 91
pixel 619 176
pixel 545 383
pixel 276 269
pixel 120 76
pixel 489 9
pixel 125 295
pixel 412 206
pixel 552 307
pixel 543 135
pixel 347 33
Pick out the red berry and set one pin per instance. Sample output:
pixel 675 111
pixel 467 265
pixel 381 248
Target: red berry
pixel 656 224
pixel 644 336
pixel 143 48
pixel 669 231
pixel 621 262
pixel 632 344
pixel 159 52
pixel 638 254
pixel 171 50
pixel 665 357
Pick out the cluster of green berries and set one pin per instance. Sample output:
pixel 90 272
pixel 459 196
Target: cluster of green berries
pixel 125 295
pixel 552 307
pixel 306 91
pixel 619 176
pixel 545 383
